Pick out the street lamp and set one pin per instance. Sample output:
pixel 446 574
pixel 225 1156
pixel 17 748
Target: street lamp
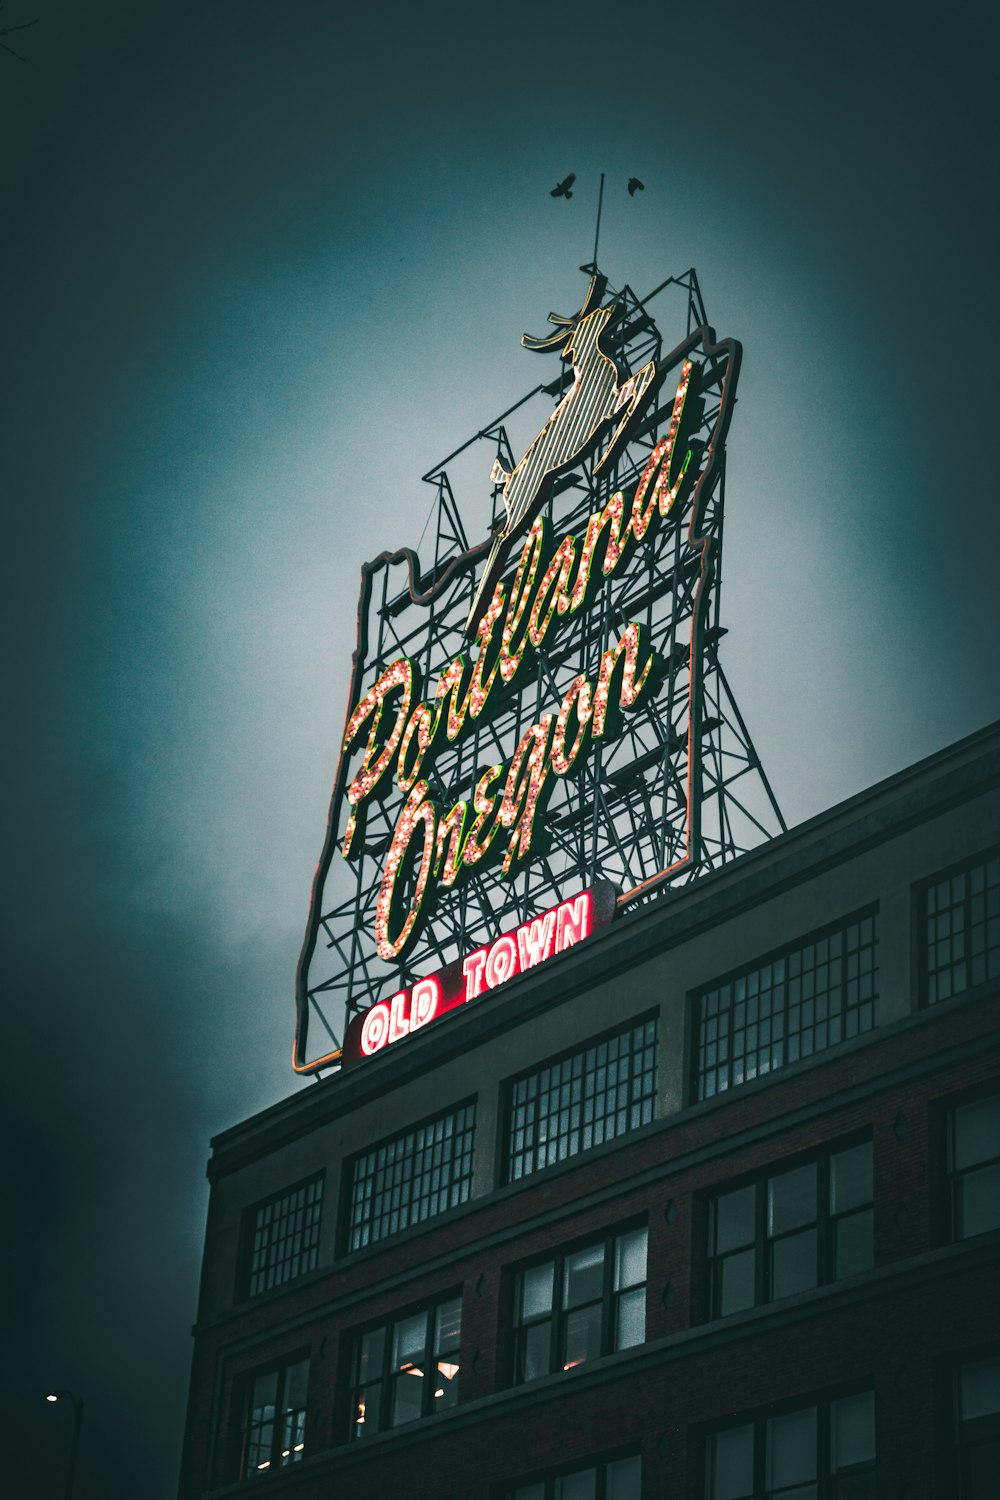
pixel 77 1422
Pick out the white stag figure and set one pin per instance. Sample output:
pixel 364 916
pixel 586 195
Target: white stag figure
pixel 596 395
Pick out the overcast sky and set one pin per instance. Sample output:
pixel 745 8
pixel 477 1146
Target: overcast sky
pixel 262 266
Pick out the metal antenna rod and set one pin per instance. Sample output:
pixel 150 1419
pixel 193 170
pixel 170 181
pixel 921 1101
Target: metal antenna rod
pixel 597 231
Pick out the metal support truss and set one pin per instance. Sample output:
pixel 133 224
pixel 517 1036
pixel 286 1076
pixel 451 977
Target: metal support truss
pixel 680 791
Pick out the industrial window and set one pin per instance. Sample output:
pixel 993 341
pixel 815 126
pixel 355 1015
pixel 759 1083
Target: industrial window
pixel 620 1479
pixel 412 1177
pixel 282 1238
pixel 794 1228
pixel 961 913
pixel 579 1305
pixel 800 1002
pixel 274 1423
pixel 974 1166
pixel 406 1369
pixel 820 1452
pixel 593 1095
pixel 977 1423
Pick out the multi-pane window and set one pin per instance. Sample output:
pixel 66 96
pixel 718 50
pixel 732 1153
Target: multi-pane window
pixel 412 1177
pixel 406 1369
pixel 977 1421
pixel 820 1452
pixel 800 1002
pixel 962 929
pixel 795 1228
pixel 593 1095
pixel 974 1166
pixel 621 1479
pixel 579 1305
pixel 274 1425
pixel 283 1238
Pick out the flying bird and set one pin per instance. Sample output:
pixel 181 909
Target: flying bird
pixel 563 189
pixel 635 186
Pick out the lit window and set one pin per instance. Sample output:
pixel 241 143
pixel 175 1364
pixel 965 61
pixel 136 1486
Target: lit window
pixel 274 1427
pixel 794 1228
pixel 282 1238
pixel 412 1177
pixel 961 913
pixel 820 1452
pixel 406 1369
pixel 594 1095
pixel 620 1479
pixel 806 999
pixel 580 1305
pixel 977 1422
pixel 974 1167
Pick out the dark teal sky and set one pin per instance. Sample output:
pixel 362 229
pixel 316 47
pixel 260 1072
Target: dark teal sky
pixel 262 265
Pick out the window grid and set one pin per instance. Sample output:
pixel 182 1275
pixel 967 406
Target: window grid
pixel 798 1226
pixel 977 1427
pixel 284 1241
pixel 812 996
pixel 974 1166
pixel 961 915
pixel 592 1096
pixel 411 1178
pixel 580 1305
pixel 407 1368
pixel 275 1419
pixel 825 1451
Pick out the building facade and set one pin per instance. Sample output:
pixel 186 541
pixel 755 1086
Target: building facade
pixel 707 1206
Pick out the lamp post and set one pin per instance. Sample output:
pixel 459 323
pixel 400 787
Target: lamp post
pixel 77 1423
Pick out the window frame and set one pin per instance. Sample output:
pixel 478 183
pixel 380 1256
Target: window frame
pixel 950 1178
pixel 389 1376
pixel 758 1418
pixel 987 1428
pixel 349 1181
pixel 610 1302
pixel 749 973
pixel 825 1222
pixel 248 1229
pixel 245 1395
pixel 963 867
pixel 506 1137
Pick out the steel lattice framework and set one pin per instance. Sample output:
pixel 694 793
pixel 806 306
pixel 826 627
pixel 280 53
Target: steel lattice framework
pixel 678 792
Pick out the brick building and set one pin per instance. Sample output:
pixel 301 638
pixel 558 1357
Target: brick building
pixel 707 1206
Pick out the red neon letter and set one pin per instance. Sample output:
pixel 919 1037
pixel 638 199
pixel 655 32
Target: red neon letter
pixel 573 921
pixel 399 1024
pixel 473 970
pixel 502 961
pixel 424 1002
pixel 534 940
pixel 375 1029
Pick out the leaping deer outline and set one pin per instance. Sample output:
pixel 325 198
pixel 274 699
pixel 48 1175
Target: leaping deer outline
pixel 595 396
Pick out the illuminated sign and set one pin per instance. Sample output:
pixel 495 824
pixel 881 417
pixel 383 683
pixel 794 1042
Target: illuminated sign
pixel 534 942
pixel 525 715
pixel 597 394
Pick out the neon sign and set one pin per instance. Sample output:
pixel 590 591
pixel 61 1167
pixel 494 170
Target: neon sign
pixel 512 953
pixel 507 799
pixel 522 728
